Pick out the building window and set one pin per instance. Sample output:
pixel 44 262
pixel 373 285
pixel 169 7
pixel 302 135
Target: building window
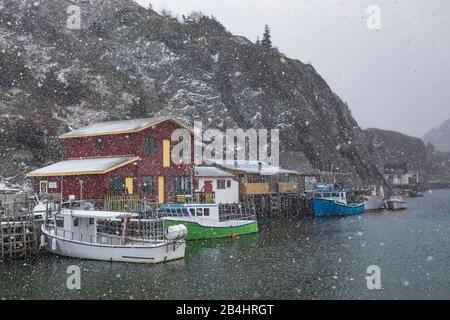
pixel 148 185
pixel 91 220
pixel 149 146
pixel 181 185
pixel 255 178
pixel 117 184
pixel 98 145
pixel 228 183
pixel 43 187
pixel 220 184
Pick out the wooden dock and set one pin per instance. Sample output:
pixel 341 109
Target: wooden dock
pixel 278 205
pixel 19 232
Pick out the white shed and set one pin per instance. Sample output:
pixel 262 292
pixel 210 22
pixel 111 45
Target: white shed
pixel 224 184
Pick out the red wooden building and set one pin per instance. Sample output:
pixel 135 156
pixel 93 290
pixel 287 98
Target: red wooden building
pixel 118 157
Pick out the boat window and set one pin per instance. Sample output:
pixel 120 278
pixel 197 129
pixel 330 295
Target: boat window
pixel 199 212
pixel 192 211
pixel 59 221
pixel 342 195
pixel 335 195
pixel 326 195
pixel 206 212
pixel 185 212
pixel 173 212
pixel 76 222
pixel 179 213
pixel 91 220
pixel 317 195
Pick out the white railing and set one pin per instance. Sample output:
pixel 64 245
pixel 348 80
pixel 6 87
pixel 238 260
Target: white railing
pixel 103 239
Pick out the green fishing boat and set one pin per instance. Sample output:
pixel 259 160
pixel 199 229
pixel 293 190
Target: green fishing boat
pixel 204 221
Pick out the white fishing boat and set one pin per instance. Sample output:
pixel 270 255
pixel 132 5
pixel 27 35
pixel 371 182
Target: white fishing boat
pixel 112 236
pixel 374 199
pixel 396 203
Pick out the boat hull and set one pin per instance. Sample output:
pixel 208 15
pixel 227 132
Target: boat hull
pixel 396 205
pixel 374 203
pixel 138 254
pixel 324 207
pixel 199 232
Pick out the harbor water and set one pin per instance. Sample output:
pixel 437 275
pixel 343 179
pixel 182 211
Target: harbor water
pixel 302 258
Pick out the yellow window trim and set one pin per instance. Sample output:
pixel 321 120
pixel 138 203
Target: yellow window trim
pixel 166 153
pixel 161 186
pixel 42 182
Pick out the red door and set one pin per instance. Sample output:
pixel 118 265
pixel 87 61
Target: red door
pixel 208 187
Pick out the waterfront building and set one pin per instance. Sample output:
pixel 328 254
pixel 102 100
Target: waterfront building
pixel 123 158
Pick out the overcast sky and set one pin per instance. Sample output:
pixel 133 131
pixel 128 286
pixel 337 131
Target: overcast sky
pixel 397 78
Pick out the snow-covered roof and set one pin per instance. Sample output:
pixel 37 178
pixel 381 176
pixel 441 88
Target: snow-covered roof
pixel 5 190
pixel 83 166
pixel 98 214
pixel 120 127
pixel 253 167
pixel 211 172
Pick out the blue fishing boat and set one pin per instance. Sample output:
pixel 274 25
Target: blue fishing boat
pixel 331 200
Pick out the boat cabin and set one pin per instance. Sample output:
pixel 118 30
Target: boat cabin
pixel 191 211
pixel 328 192
pixel 81 225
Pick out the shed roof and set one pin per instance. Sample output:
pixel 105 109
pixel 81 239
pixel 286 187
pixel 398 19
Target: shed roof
pixel 120 127
pixel 253 167
pixel 211 172
pixel 82 166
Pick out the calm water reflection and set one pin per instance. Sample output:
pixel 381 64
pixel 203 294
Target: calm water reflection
pixel 298 259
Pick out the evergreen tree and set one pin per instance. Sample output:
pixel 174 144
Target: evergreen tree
pixel 266 42
pixel 258 42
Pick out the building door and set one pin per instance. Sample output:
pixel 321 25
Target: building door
pixel 166 153
pixel 43 187
pixel 129 185
pixel 161 190
pixel 208 186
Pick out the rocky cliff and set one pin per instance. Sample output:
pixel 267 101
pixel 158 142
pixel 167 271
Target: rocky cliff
pixel 397 148
pixel 129 62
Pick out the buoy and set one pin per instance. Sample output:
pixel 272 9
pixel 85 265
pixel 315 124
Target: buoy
pixel 42 241
pixel 53 244
pixel 234 236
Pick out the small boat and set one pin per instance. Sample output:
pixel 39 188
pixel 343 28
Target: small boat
pixel 332 201
pixel 374 199
pixel 415 194
pixel 206 221
pixel 111 236
pixel 396 203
